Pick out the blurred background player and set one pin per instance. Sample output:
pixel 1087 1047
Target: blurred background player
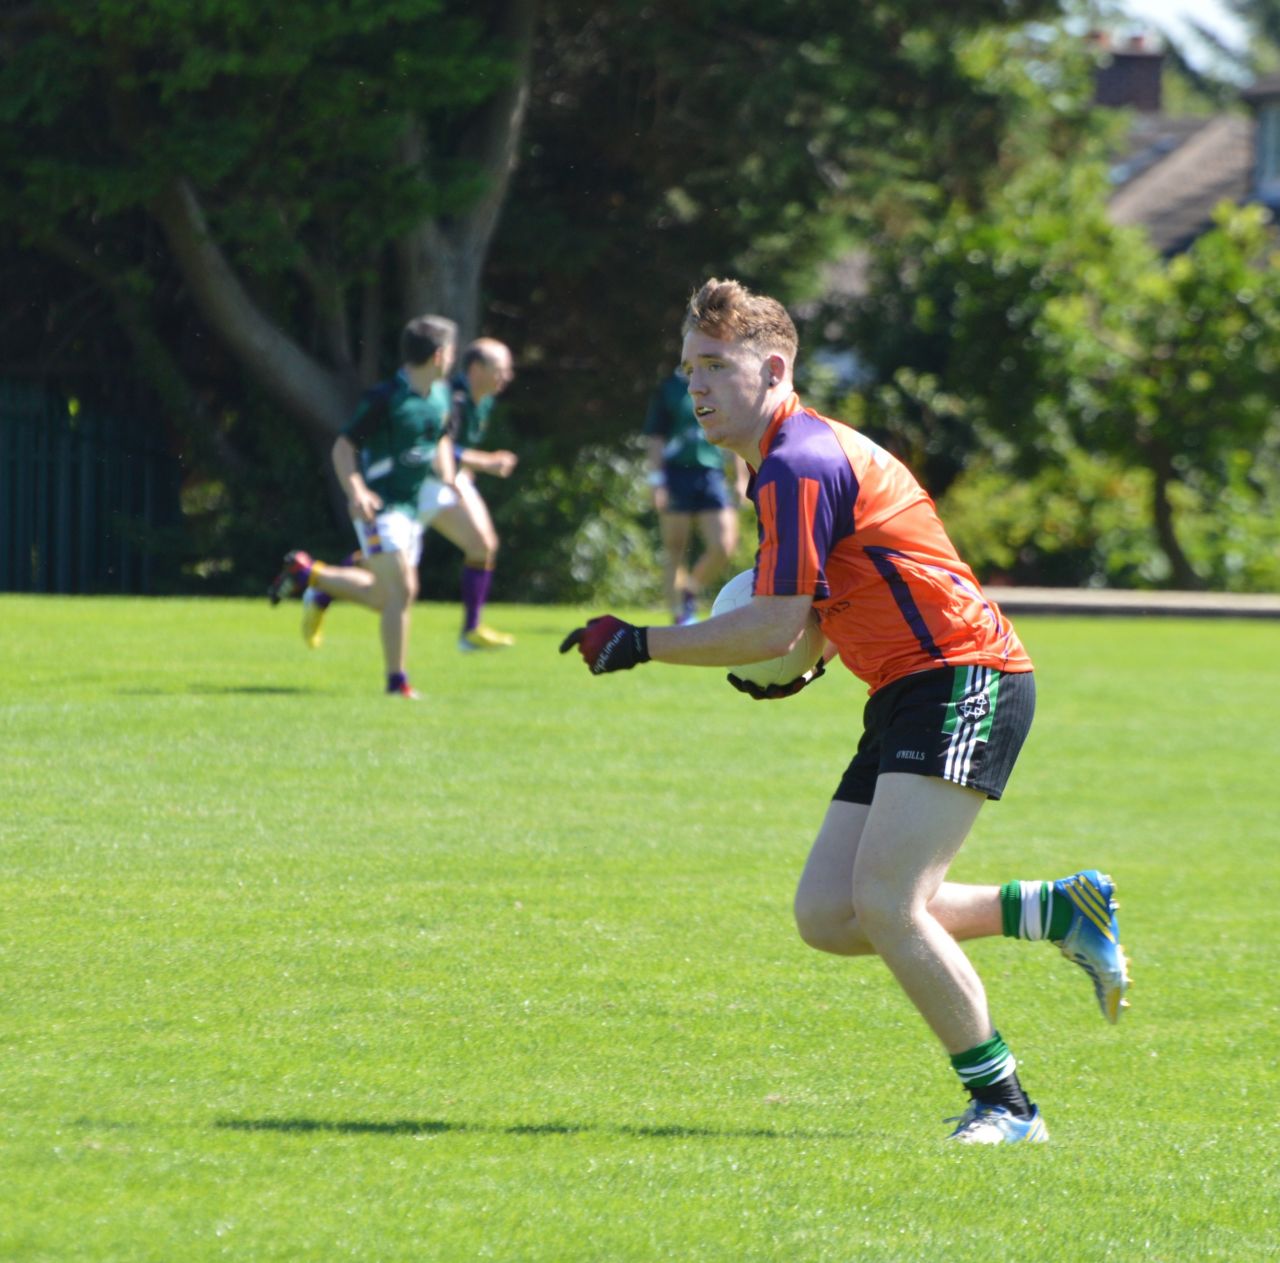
pixel 690 490
pixel 845 529
pixel 456 509
pixel 382 458
pixel 463 518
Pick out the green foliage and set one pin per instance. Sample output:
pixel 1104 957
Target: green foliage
pixel 1230 524
pixel 659 153
pixel 583 531
pixel 1083 523
pixel 1035 332
pixel 294 971
pixel 953 144
pixel 285 115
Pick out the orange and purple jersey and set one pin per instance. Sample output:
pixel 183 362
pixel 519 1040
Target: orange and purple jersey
pixel 844 521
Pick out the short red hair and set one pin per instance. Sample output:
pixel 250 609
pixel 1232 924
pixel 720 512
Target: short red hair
pixel 730 312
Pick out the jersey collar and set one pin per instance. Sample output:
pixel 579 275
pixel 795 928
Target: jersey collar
pixel 787 408
pixel 460 382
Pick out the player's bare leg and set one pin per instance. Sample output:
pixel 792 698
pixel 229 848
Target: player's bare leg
pixel 397 580
pixel 468 526
pixel 912 832
pixel 719 531
pixel 675 529
pixel 824 896
pixel 350 583
pixel 874 883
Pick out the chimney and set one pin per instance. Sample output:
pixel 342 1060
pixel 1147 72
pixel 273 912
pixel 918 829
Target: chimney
pixel 1128 76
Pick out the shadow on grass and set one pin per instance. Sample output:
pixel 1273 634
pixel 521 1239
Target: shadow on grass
pixel 223 690
pixel 436 1126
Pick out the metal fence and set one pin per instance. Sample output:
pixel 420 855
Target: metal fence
pixel 82 497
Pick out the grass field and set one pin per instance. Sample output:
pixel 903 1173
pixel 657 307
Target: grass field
pixel 296 971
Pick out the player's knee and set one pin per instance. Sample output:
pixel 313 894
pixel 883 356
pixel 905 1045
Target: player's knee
pixel 402 591
pixel 880 910
pixel 828 927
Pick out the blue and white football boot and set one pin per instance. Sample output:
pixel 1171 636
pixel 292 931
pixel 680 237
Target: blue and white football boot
pixel 994 1125
pixel 1093 940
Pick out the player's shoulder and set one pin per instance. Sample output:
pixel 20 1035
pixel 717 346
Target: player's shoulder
pixel 375 399
pixel 388 388
pixel 806 444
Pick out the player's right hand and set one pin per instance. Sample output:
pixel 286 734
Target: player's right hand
pixel 774 692
pixel 609 644
pixel 364 504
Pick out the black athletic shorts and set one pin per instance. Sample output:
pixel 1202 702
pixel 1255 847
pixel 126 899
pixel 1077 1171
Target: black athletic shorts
pixel 962 724
pixel 696 489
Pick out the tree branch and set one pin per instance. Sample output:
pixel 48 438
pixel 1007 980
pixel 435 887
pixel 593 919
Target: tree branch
pixel 441 264
pixel 320 399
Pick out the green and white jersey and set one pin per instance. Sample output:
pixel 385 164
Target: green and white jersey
pixel 671 417
pixel 470 419
pixel 395 431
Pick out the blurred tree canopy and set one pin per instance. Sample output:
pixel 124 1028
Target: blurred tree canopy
pixel 222 213
pixel 244 201
pixel 1036 338
pixel 1011 341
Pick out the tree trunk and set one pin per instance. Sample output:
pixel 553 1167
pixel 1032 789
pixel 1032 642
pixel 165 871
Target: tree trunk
pixel 441 262
pixel 1182 574
pixel 320 399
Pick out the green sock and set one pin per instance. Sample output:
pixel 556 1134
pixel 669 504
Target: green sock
pixel 1031 910
pixel 986 1064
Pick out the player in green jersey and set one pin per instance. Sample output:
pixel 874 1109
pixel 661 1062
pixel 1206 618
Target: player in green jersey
pixel 396 437
pixel 461 515
pixel 687 478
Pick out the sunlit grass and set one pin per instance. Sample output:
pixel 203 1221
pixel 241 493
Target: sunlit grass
pixel 295 970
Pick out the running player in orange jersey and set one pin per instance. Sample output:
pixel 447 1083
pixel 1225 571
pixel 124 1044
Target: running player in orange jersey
pixel 846 530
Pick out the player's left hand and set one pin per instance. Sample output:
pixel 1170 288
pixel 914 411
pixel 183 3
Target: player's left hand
pixel 609 644
pixel 772 692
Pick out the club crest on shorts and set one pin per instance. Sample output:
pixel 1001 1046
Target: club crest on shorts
pixel 976 706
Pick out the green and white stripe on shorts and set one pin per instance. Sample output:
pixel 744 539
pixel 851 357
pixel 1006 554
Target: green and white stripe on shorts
pixel 970 714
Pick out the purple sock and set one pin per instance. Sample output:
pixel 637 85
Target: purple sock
pixel 475 591
pixel 396 681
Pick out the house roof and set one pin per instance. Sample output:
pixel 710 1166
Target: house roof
pixel 1175 182
pixel 1263 89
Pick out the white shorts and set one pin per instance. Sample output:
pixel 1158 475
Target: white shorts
pixel 433 497
pixel 393 531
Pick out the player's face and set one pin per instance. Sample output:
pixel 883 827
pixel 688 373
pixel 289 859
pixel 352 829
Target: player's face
pixel 498 374
pixel 729 385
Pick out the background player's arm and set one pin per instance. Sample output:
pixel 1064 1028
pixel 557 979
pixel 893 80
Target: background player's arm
pixel 501 464
pixel 445 465
pixel 657 477
pixel 362 503
pixel 766 628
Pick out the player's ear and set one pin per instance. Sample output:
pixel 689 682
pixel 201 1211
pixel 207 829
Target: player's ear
pixel 777 367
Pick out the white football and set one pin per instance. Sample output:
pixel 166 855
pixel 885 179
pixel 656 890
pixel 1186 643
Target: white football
pixel 807 650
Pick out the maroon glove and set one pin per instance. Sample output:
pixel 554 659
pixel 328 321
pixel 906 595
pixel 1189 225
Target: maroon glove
pixel 609 644
pixel 772 692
